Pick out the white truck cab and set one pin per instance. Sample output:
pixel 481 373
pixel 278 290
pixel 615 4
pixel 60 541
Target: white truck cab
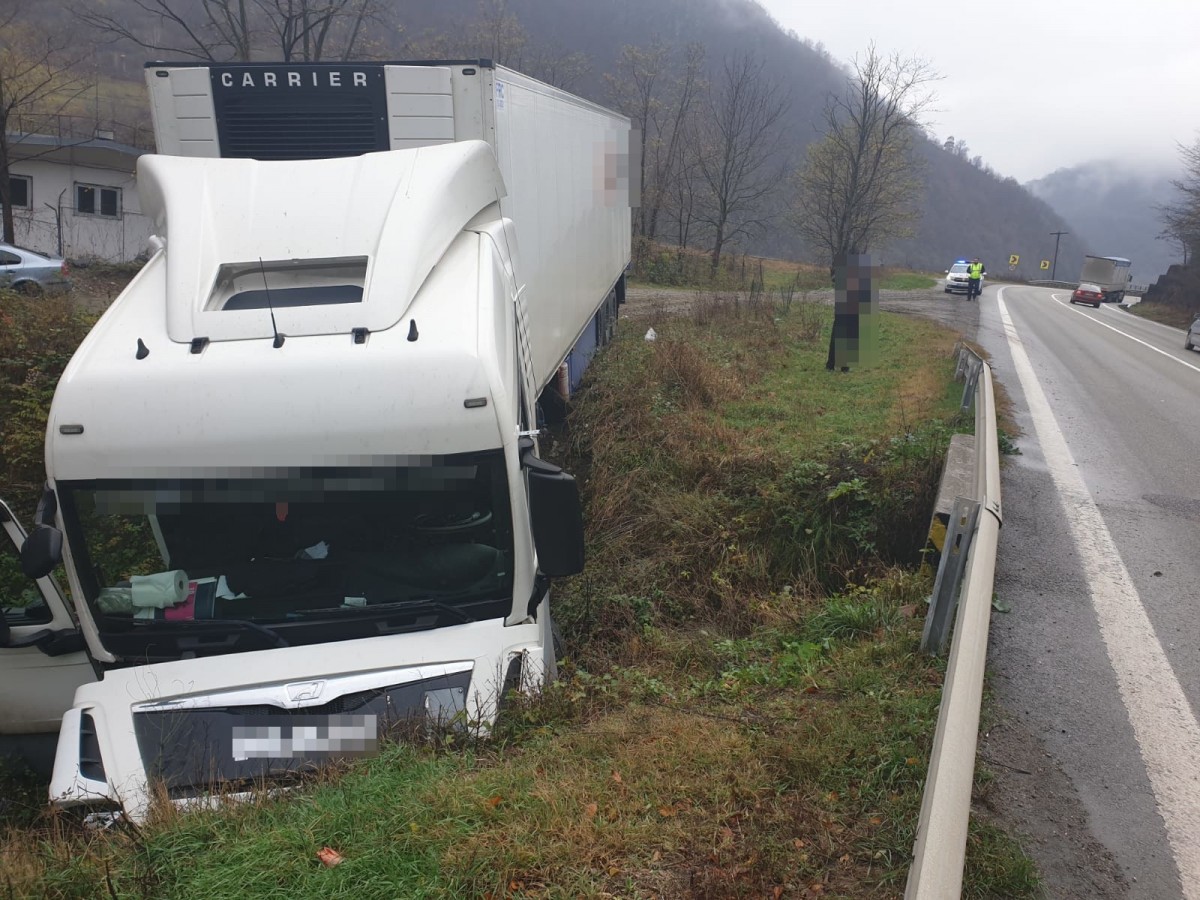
pixel 294 466
pixel 42 660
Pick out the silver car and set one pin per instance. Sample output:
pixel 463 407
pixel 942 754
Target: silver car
pixel 31 273
pixel 1193 335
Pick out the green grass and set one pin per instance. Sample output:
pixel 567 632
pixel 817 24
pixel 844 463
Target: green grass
pixel 744 711
pixel 1167 315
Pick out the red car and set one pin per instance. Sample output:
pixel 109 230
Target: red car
pixel 1088 293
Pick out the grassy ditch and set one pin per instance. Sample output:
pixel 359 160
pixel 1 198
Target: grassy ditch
pixel 743 711
pixel 661 264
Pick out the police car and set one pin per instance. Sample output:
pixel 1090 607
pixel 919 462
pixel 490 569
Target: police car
pixel 957 278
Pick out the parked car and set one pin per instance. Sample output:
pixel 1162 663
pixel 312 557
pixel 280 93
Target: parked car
pixel 31 273
pixel 1193 335
pixel 957 278
pixel 1088 293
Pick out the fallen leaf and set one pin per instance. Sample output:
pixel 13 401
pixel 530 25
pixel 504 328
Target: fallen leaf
pixel 616 776
pixel 330 857
pixel 912 761
pixel 614 871
pixel 908 610
pixel 875 820
pixel 656 856
pixel 816 888
pixel 516 885
pixel 667 811
pixel 844 858
pixel 494 800
pixel 832 796
pixel 799 843
pixel 591 809
pixel 777 892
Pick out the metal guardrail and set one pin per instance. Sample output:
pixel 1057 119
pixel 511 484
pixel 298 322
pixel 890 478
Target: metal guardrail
pixel 940 850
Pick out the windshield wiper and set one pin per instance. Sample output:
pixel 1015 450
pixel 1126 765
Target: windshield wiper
pixel 389 606
pixel 273 636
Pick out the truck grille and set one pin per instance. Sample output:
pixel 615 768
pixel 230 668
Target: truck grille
pixel 194 751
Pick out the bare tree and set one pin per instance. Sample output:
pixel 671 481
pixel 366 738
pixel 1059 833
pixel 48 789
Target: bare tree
pixel 1181 219
pixel 209 30
pixel 859 184
pixel 39 73
pixel 234 30
pixel 498 34
pixel 659 102
pixel 553 64
pixel 671 124
pixel 303 28
pixel 738 141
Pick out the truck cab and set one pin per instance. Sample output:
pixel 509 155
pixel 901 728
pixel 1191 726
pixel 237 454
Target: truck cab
pixel 294 467
pixel 42 659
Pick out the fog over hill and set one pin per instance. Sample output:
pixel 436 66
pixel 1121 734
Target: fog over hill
pixel 1113 204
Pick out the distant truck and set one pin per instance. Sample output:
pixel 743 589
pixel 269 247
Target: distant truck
pixel 1109 273
pixel 293 472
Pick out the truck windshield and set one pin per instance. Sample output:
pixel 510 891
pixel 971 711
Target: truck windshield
pixel 184 567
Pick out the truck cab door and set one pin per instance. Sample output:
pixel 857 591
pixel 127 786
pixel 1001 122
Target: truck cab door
pixel 42 660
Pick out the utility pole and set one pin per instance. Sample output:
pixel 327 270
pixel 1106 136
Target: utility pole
pixel 1057 236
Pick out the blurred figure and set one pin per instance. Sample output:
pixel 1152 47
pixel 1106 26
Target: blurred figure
pixel 855 336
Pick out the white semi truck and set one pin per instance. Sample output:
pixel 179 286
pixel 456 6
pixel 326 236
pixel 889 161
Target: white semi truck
pixel 1109 273
pixel 292 472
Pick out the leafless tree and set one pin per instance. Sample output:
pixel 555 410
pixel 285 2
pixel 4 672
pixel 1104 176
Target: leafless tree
pixel 555 65
pixel 497 34
pixel 859 185
pixel 234 30
pixel 634 90
pixel 671 128
pixel 738 140
pixel 1181 219
pixel 39 73
pixel 303 29
pixel 658 92
pixel 208 30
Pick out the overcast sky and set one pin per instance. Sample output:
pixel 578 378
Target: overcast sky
pixel 1035 85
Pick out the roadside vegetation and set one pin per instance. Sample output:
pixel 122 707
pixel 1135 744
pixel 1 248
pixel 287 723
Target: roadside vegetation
pixel 667 266
pixel 742 711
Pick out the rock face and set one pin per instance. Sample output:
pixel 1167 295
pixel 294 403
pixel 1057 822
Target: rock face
pixel 1179 287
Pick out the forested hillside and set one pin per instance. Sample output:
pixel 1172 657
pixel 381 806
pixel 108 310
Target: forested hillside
pixel 633 54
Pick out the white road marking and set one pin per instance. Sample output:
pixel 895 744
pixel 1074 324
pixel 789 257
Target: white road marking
pixel 1164 725
pixel 1169 356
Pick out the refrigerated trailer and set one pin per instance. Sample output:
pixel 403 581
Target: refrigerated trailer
pixel 1109 273
pixel 293 471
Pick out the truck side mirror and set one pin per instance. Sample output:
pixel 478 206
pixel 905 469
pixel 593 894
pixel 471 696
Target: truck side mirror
pixel 557 515
pixel 41 552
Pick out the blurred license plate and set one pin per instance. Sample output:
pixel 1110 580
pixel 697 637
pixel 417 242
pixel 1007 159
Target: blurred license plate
pixel 309 738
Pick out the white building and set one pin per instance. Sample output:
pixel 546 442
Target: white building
pixel 76 198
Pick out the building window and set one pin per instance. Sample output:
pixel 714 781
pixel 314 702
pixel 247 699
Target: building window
pixel 21 190
pixel 94 200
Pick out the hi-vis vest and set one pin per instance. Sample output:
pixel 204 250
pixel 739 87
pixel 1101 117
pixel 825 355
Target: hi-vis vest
pixel 975 270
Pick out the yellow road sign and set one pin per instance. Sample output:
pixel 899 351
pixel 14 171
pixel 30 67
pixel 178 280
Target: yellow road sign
pixel 1045 264
pixel 1014 259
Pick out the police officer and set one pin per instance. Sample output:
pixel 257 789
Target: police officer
pixel 975 273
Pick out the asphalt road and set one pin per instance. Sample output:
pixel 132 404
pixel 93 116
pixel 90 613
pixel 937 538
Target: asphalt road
pixel 1097 660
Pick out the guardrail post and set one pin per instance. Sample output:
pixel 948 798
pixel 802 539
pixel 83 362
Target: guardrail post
pixel 943 602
